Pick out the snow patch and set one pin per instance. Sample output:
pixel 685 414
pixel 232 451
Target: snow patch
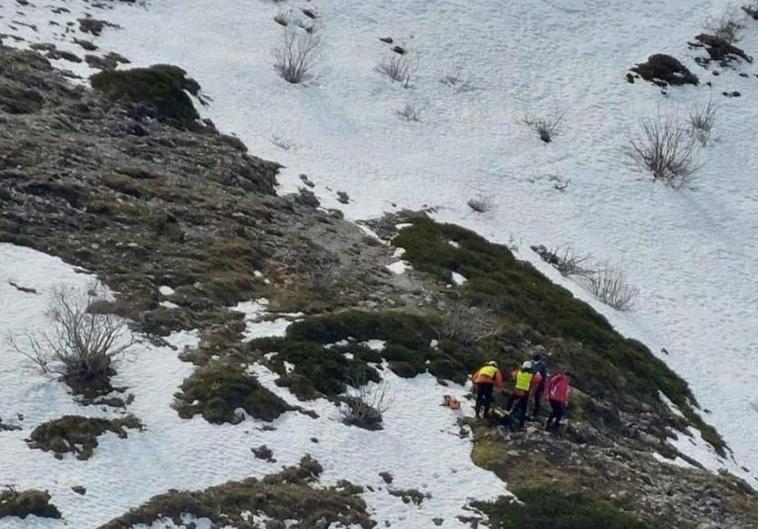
pixel 458 279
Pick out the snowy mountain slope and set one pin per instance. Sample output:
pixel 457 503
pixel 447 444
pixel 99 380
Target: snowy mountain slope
pixel 693 253
pixel 185 454
pixel 677 247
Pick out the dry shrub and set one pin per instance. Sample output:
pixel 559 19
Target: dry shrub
pixel 728 26
pixel 82 344
pixel 667 149
pixel 480 204
pixel 297 55
pixel 702 120
pixel 545 127
pixel 366 402
pixel 398 68
pixel 467 325
pixel 410 113
pixel 609 285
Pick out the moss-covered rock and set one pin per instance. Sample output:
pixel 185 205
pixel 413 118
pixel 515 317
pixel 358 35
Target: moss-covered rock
pixel 26 503
pixel 217 390
pixel 78 435
pixel 159 90
pixel 663 70
pixel 289 495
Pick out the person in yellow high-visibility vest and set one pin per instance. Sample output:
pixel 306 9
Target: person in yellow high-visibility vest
pixel 520 396
pixel 486 379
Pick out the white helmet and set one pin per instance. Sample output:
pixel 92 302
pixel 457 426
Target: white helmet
pixel 527 365
pixel 492 363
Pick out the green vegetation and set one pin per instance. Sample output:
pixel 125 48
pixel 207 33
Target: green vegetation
pixel 78 435
pixel 27 502
pixel 322 368
pixel 605 363
pixel 547 507
pixel 288 495
pixel 161 88
pixel 215 391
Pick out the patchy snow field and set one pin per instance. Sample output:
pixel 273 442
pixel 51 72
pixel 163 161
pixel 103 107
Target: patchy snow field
pixel 479 68
pixel 420 444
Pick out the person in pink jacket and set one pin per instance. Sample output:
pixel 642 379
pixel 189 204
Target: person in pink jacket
pixel 558 388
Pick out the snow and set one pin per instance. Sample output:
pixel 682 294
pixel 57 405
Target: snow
pixel 398 267
pixel 677 461
pixel 458 279
pixel 166 290
pixel 420 444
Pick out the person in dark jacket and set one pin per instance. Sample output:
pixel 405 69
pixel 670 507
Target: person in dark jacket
pixel 538 366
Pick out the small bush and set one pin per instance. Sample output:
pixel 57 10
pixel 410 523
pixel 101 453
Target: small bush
pixel 216 392
pixel 702 120
pixel 467 325
pixel 480 204
pixel 365 404
pixel 83 346
pixel 565 260
pixel 727 27
pixel 545 127
pixel 609 285
pixel 297 55
pixel 667 149
pixel 78 435
pixel 410 113
pixel 26 503
pixel 398 68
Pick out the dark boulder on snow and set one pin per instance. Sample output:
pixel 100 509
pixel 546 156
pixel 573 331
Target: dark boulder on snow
pixel 663 70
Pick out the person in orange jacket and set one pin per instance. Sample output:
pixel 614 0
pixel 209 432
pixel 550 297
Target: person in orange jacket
pixel 486 379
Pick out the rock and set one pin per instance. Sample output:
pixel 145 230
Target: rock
pixel 343 197
pixel 79 490
pixel 399 50
pixel 387 40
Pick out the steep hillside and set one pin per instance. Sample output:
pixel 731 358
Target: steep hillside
pixel 261 318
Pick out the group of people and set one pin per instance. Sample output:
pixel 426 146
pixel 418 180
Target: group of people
pixel 531 383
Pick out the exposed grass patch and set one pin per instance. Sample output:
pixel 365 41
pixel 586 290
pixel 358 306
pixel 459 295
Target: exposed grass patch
pixel 288 495
pixel 78 435
pixel 552 508
pixel 322 368
pixel 215 391
pixel 605 363
pixel 161 88
pixel 27 502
